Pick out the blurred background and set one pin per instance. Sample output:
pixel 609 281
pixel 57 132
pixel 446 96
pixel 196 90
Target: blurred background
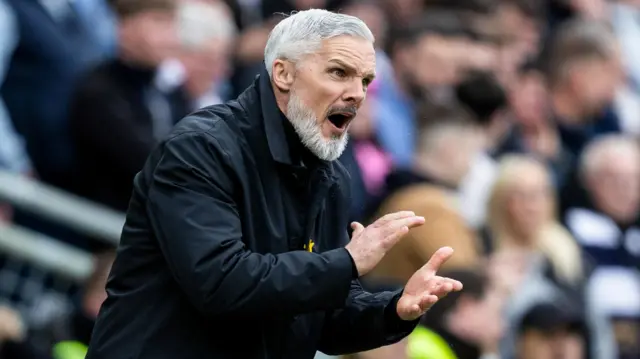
pixel 512 126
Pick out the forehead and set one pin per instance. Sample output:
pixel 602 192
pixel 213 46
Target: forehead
pixel 351 51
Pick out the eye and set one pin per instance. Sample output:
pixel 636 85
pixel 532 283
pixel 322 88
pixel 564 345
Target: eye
pixel 338 72
pixel 366 82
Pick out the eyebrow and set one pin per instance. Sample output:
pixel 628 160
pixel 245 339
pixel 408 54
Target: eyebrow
pixel 369 76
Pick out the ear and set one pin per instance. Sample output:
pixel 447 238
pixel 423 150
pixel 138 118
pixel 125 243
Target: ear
pixel 283 74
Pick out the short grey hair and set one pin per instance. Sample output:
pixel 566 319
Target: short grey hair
pixel 302 34
pixel 601 149
pixel 202 22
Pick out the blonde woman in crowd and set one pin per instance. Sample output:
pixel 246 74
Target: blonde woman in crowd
pixel 536 260
pixel 522 219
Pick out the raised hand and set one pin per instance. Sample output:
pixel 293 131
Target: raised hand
pixel 425 288
pixel 368 245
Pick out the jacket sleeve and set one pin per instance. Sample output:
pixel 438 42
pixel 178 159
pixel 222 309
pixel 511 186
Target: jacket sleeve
pixel 367 321
pixel 193 214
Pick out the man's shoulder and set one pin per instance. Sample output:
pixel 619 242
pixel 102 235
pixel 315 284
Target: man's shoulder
pixel 216 125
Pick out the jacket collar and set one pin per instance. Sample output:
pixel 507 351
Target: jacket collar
pixel 273 120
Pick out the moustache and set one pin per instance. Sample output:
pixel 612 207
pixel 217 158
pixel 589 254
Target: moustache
pixel 350 111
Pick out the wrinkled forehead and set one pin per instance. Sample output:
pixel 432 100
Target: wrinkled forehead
pixel 352 53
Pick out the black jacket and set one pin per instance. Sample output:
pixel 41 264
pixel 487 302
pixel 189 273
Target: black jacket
pixel 214 260
pixel 112 130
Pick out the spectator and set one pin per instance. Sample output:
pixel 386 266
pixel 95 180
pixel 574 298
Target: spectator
pixel 521 218
pixel 544 264
pixel 533 131
pixel 605 221
pixel 136 99
pixel 484 96
pixel 549 330
pixel 446 148
pixel 466 325
pixel 54 49
pixel 207 32
pixel 431 41
pixel 13 156
pixel 583 74
pixel 522 30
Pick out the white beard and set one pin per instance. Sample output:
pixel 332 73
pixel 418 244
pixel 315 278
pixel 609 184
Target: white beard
pixel 305 124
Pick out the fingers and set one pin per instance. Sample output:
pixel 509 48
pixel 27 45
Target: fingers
pixel 392 217
pixel 437 260
pixel 397 228
pixel 442 286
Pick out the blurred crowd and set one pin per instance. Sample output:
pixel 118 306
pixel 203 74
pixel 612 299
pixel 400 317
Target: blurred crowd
pixel 512 126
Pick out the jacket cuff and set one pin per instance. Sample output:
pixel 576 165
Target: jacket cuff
pixel 341 274
pixel 354 268
pixel 395 327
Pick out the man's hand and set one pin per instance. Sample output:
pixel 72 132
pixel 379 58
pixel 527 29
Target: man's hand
pixel 369 245
pixel 425 288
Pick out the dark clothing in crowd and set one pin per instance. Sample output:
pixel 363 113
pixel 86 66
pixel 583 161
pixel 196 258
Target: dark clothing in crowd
pixel 576 138
pixel 53 50
pixel 233 248
pixel 114 130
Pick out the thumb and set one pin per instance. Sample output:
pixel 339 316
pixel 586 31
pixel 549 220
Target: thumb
pixel 437 260
pixel 357 229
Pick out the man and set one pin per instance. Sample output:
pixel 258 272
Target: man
pixel 481 93
pixel 134 98
pixel 434 41
pixel 13 154
pixel 602 212
pixel 52 52
pixel 583 73
pixel 234 241
pixel 552 330
pixel 206 31
pixel 467 325
pixel 446 148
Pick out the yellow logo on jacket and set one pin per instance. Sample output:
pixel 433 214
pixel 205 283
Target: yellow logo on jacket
pixel 309 246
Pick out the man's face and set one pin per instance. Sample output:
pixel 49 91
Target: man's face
pixel 437 60
pixel 327 90
pixel 595 82
pixel 149 37
pixel 558 344
pixel 528 99
pixel 615 186
pixel 207 66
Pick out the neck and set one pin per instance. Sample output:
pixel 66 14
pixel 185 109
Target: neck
pixel 565 107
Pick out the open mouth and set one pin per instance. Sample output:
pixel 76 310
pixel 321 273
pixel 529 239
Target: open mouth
pixel 341 119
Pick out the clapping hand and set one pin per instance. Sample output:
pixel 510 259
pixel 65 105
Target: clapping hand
pixel 425 288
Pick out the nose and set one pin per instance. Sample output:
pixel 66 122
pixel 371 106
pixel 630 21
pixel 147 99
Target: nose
pixel 355 92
